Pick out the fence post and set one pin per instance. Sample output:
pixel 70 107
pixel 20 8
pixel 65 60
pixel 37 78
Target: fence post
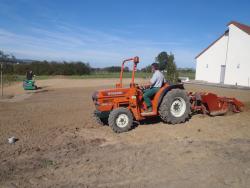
pixel 2 79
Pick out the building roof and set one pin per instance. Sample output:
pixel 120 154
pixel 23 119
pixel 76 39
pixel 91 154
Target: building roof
pixel 241 26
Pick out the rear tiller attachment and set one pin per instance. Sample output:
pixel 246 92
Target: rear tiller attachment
pixel 210 103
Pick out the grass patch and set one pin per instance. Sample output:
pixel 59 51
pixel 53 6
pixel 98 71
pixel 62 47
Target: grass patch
pixel 111 75
pixel 190 75
pixel 9 79
pixel 47 162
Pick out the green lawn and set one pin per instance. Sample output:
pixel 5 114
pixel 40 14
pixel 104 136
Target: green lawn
pixel 8 79
pixel 111 75
pixel 190 75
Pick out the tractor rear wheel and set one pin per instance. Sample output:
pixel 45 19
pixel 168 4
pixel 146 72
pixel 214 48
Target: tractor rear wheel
pixel 175 107
pixel 120 120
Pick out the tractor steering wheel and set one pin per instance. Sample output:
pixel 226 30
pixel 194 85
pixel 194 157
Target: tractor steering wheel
pixel 142 87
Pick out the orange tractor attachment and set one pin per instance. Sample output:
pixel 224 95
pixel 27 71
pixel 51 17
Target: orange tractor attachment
pixel 210 103
pixel 120 106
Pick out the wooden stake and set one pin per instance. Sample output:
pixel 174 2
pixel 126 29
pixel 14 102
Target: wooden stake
pixel 2 79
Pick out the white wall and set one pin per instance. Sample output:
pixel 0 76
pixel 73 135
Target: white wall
pixel 208 64
pixel 238 55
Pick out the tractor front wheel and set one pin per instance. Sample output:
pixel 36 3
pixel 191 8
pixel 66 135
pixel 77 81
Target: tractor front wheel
pixel 175 107
pixel 120 120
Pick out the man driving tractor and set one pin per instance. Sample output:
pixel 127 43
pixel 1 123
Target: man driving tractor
pixel 151 88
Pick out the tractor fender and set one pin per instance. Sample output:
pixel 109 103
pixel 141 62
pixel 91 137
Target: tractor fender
pixel 167 89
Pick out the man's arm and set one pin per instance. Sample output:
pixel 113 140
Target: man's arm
pixel 150 83
pixel 146 85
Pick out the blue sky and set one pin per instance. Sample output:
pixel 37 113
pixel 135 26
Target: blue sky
pixel 106 31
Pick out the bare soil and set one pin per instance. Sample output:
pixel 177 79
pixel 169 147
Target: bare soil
pixel 61 146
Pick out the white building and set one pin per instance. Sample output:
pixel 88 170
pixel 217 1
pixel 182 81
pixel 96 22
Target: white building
pixel 227 60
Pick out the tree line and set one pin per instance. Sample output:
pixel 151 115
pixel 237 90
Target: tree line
pixel 110 69
pixel 12 65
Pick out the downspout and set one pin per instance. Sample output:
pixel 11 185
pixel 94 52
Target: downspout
pixel 227 32
pixel 227 47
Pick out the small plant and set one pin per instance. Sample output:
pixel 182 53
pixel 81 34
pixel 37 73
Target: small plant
pixel 47 162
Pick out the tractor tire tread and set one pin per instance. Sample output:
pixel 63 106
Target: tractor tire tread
pixel 164 109
pixel 112 120
pixel 100 121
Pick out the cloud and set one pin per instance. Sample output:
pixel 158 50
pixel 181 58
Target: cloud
pixel 67 42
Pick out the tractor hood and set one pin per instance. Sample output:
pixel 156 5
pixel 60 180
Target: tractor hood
pixel 109 93
pixel 104 100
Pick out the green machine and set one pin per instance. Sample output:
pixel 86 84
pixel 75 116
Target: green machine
pixel 29 85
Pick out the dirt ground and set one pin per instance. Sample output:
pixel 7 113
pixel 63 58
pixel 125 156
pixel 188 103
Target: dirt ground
pixel 61 146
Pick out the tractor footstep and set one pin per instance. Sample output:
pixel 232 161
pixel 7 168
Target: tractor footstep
pixel 147 113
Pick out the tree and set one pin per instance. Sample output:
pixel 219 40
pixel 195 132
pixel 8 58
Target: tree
pixel 146 69
pixel 112 69
pixel 7 61
pixel 10 66
pixel 3 56
pixel 126 69
pixel 167 63
pixel 172 73
pixel 7 58
pixel 162 60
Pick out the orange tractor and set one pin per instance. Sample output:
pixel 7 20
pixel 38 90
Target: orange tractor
pixel 120 106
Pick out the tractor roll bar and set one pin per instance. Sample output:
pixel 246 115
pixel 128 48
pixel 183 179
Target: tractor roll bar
pixel 135 60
